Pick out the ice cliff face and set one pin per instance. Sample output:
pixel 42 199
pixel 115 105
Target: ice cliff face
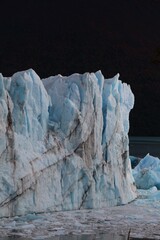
pixel 63 143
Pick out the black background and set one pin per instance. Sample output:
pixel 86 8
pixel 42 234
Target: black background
pixel 83 36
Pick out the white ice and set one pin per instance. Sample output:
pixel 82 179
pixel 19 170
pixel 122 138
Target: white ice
pixel 147 172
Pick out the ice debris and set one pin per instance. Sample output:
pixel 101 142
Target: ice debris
pixel 64 143
pixel 134 161
pixel 147 173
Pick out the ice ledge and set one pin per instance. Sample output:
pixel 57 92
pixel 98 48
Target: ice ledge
pixel 64 143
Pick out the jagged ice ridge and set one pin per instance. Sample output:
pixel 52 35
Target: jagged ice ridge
pixel 64 143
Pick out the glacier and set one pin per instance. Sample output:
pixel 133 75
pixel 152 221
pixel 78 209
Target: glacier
pixel 64 143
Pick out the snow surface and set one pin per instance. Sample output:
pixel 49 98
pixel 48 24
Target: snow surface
pixel 64 143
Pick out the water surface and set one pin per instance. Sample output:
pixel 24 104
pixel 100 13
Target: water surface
pixel 81 237
pixel 140 146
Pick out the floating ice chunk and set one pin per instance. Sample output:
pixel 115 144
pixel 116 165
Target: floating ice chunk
pixel 134 161
pixel 147 172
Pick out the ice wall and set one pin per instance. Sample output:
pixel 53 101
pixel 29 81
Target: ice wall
pixel 64 143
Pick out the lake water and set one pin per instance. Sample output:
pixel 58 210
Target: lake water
pixel 81 237
pixel 140 146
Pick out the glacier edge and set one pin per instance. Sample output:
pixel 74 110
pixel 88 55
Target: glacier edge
pixel 64 143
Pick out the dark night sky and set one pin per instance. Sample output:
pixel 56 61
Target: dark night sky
pixel 77 36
